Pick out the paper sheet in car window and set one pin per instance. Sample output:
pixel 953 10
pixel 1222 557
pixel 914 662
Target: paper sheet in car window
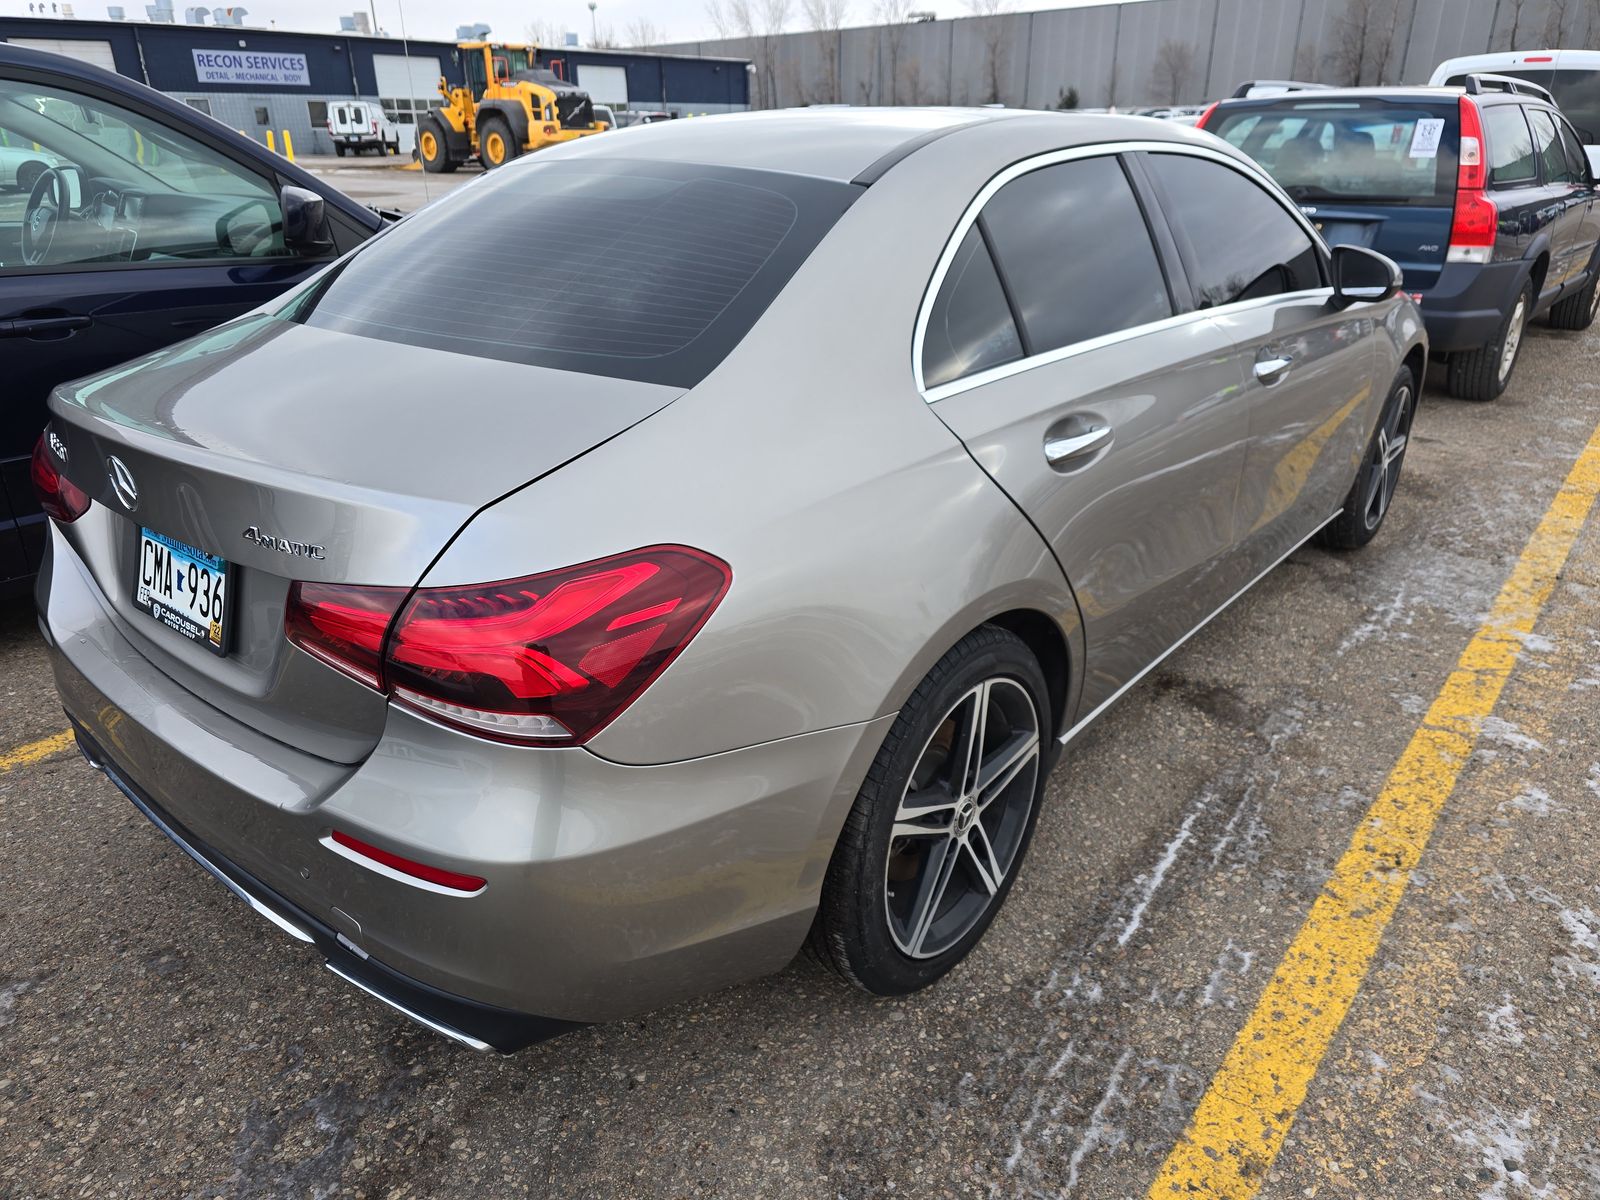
pixel 1425 138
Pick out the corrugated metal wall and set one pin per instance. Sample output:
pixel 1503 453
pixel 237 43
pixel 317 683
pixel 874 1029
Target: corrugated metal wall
pixel 1112 54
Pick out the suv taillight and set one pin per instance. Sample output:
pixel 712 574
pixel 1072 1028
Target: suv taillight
pixel 1472 230
pixel 549 660
pixel 1206 116
pixel 58 495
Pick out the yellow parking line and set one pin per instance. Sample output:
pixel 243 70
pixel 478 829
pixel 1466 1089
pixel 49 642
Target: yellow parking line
pixel 1241 1122
pixel 34 751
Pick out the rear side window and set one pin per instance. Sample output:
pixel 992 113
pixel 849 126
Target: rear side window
pixel 651 273
pixel 969 327
pixel 1547 145
pixel 1075 253
pixel 1576 158
pixel 1360 151
pixel 1238 243
pixel 1511 158
pixel 1576 93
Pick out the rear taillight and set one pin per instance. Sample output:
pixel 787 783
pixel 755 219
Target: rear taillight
pixel 343 626
pixel 58 495
pixel 1206 116
pixel 1472 231
pixel 550 659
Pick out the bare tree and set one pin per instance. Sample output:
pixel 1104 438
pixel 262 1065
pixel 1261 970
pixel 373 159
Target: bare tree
pixel 1174 64
pixel 1515 35
pixel 758 21
pixel 891 17
pixel 1555 22
pixel 605 37
pixel 1305 63
pixel 993 32
pixel 1363 41
pixel 542 32
pixel 827 18
pixel 642 31
pixel 1591 17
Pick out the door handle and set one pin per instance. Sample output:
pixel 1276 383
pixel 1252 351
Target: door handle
pixel 34 326
pixel 1270 370
pixel 1077 445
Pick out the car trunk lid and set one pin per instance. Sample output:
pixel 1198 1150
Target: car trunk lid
pixel 383 475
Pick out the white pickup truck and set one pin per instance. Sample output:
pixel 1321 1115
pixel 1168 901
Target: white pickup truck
pixel 357 125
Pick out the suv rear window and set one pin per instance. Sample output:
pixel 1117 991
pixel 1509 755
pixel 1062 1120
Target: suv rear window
pixel 640 271
pixel 1372 151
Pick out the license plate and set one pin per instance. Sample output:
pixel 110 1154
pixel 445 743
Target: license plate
pixel 183 588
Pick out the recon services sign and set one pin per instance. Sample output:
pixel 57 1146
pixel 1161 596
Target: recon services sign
pixel 244 66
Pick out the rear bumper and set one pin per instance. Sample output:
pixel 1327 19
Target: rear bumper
pixel 611 889
pixel 1465 309
pixel 480 1026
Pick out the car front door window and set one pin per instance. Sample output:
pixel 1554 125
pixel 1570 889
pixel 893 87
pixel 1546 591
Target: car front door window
pixel 105 185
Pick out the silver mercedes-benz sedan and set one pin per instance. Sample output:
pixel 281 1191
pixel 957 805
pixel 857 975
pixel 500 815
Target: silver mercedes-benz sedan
pixel 684 545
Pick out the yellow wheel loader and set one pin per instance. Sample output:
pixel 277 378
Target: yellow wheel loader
pixel 510 106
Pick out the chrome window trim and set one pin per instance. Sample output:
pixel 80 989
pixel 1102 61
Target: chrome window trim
pixel 1074 154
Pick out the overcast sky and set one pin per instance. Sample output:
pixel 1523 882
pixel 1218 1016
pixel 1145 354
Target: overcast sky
pixel 680 20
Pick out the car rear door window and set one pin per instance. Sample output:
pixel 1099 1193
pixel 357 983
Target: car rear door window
pixel 1075 253
pixel 1547 145
pixel 1511 156
pixel 970 327
pixel 1237 242
pixel 646 271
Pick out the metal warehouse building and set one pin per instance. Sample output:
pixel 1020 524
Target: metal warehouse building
pixel 260 79
pixel 1152 52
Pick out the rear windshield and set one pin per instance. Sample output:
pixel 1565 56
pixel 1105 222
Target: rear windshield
pixel 1576 93
pixel 1369 151
pixel 648 271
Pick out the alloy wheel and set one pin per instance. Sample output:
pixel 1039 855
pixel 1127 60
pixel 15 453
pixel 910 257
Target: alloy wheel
pixel 1513 340
pixel 962 818
pixel 1388 450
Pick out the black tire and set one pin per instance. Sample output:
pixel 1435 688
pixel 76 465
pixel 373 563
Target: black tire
pixel 339 149
pixel 430 133
pixel 489 129
pixel 28 174
pixel 394 148
pixel 1379 474
pixel 1579 310
pixel 878 884
pixel 1482 374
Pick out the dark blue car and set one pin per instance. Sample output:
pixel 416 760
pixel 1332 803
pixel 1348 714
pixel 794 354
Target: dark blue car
pixel 128 221
pixel 1483 194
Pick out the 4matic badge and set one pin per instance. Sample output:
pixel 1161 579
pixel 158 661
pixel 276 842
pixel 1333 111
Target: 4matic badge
pixel 283 545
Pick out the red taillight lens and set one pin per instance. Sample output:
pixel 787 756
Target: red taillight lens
pixel 58 495
pixel 552 658
pixel 343 626
pixel 452 880
pixel 1476 220
pixel 549 660
pixel 1206 116
pixel 1472 174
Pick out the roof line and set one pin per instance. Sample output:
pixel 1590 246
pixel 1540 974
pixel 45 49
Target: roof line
pixel 878 168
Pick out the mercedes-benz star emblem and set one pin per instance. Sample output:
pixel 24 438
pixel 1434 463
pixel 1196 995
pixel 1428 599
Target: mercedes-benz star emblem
pixel 122 483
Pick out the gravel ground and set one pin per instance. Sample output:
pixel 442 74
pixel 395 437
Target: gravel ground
pixel 156 1038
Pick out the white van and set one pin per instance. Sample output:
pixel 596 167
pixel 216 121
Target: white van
pixel 361 125
pixel 1572 77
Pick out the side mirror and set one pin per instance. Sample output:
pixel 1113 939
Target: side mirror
pixel 1360 275
pixel 302 219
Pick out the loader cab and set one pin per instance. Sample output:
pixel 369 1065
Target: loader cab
pixel 489 63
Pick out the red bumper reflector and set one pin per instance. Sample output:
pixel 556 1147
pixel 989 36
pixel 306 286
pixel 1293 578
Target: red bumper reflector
pixel 438 876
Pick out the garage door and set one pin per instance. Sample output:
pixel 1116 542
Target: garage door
pixel 605 85
pixel 98 53
pixel 414 79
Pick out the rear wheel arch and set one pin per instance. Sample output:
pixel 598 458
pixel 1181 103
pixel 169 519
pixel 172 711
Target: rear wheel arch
pixel 1044 637
pixel 1539 272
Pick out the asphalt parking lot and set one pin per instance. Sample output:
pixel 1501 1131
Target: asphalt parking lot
pixel 385 181
pixel 157 1038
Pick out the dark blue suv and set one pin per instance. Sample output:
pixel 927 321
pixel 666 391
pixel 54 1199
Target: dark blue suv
pixel 1482 194
pixel 128 221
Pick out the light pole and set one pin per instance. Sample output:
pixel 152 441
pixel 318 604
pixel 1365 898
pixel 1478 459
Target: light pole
pixel 594 28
